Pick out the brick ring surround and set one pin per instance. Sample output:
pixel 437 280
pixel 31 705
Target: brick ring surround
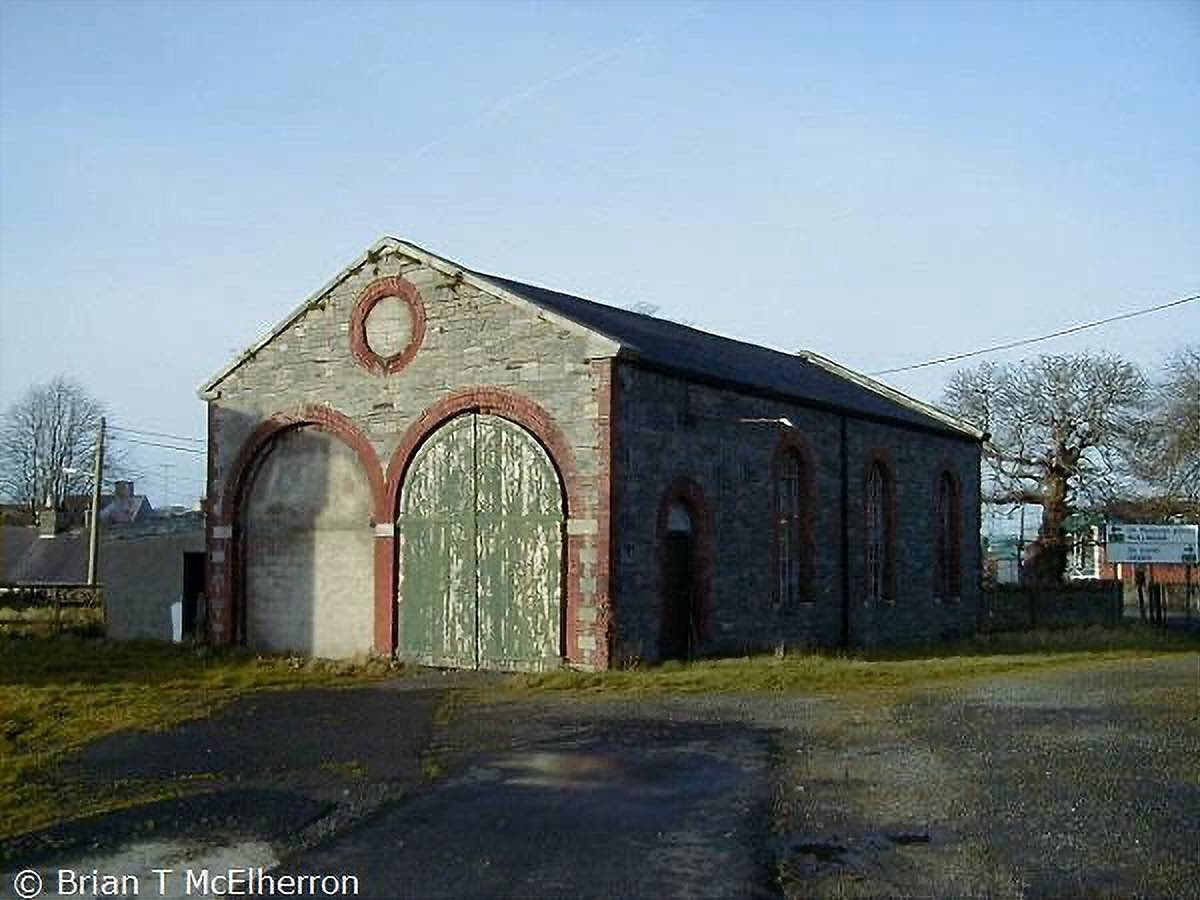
pixel 360 347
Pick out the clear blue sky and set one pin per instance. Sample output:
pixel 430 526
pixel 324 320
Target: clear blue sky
pixel 878 182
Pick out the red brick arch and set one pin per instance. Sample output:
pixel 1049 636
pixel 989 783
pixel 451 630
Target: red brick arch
pixel 539 423
pixel 229 626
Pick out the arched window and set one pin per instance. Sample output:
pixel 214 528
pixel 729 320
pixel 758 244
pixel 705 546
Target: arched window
pixel 791 551
pixel 879 538
pixel 948 550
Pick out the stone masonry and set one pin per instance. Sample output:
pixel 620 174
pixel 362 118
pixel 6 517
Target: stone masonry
pixel 671 428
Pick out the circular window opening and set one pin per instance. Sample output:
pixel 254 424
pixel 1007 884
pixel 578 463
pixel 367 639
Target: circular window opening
pixel 387 325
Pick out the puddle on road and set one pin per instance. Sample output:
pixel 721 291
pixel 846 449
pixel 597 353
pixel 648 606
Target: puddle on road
pixel 141 858
pixel 589 771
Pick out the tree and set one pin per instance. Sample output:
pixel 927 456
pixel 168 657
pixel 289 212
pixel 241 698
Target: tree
pixel 48 442
pixel 1168 455
pixel 1060 430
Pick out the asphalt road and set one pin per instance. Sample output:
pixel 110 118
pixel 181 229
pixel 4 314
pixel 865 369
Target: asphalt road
pixel 622 808
pixel 1059 784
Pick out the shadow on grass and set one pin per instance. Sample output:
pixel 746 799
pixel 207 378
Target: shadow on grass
pixel 59 694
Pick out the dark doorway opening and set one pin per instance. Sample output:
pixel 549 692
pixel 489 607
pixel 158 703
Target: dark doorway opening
pixel 193 587
pixel 680 628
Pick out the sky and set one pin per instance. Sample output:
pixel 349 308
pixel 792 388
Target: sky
pixel 882 183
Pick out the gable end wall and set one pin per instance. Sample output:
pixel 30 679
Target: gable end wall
pixel 472 340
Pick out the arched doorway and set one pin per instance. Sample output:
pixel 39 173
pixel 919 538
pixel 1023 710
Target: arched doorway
pixel 680 636
pixel 480 550
pixel 306 547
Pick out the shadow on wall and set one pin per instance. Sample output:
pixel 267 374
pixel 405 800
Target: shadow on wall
pixel 307 553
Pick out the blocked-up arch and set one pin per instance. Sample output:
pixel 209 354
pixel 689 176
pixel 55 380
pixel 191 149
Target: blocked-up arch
pixel 300 503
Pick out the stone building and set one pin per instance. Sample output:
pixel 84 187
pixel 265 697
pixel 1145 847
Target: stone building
pixel 469 471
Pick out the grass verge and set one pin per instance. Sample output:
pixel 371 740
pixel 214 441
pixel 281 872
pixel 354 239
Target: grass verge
pixel 885 670
pixel 59 694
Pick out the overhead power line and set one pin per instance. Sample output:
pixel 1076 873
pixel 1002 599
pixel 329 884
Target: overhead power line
pixel 1033 340
pixel 130 440
pixel 158 434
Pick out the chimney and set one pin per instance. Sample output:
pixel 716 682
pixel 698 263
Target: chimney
pixel 123 490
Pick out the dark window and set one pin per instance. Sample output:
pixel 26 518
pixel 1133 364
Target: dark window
pixel 790 507
pixel 948 561
pixel 879 534
pixel 680 636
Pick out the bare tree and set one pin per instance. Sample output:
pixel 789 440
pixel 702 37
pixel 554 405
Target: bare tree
pixel 1168 454
pixel 47 443
pixel 1060 429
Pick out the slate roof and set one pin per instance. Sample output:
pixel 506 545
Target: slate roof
pixel 32 559
pixel 699 354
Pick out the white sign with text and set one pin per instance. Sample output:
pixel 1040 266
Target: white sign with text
pixel 1152 543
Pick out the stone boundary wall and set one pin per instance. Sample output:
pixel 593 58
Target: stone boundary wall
pixel 41 609
pixel 1019 607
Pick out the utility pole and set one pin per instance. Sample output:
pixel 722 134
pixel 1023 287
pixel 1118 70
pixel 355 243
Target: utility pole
pixel 94 534
pixel 1021 549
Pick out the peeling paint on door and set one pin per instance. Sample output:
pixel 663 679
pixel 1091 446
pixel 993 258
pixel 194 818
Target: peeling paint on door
pixel 481 537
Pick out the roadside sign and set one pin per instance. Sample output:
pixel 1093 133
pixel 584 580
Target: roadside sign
pixel 1152 543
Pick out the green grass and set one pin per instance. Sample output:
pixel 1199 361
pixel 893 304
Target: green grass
pixel 884 671
pixel 59 694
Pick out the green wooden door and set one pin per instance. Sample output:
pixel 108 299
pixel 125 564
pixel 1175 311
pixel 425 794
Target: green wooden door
pixel 481 536
pixel 437 545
